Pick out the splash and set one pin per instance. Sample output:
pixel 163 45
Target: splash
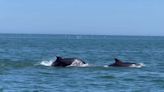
pixel 106 66
pixel 138 65
pixel 78 63
pixel 46 63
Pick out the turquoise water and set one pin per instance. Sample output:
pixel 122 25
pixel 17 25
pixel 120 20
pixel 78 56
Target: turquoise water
pixel 21 69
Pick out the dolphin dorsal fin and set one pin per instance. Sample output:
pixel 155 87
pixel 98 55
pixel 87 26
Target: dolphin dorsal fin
pixel 117 61
pixel 58 57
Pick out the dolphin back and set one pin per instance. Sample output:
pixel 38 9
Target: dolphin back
pixel 119 63
pixel 63 62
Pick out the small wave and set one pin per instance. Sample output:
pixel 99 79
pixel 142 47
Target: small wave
pixel 46 63
pixel 108 77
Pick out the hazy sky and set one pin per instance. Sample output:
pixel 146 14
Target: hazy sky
pixel 109 17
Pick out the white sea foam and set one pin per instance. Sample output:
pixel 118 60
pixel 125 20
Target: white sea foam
pixel 106 65
pixel 138 65
pixel 46 63
pixel 78 63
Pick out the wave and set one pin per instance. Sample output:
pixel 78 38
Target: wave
pixel 16 64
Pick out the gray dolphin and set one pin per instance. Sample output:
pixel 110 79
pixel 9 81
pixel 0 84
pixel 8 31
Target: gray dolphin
pixel 63 62
pixel 119 63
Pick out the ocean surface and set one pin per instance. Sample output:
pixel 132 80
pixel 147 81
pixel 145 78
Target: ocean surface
pixel 25 63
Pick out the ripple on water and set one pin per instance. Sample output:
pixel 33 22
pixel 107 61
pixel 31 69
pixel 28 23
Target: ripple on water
pixel 129 79
pixel 1 89
pixel 22 68
pixel 159 82
pixel 107 77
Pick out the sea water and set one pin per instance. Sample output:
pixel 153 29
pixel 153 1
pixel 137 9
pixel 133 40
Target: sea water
pixel 25 61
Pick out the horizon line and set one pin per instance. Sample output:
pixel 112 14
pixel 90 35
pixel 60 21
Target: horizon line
pixel 82 34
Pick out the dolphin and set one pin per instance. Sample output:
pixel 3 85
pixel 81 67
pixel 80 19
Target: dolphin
pixel 119 63
pixel 63 62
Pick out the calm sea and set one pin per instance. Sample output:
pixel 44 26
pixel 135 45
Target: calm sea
pixel 24 63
